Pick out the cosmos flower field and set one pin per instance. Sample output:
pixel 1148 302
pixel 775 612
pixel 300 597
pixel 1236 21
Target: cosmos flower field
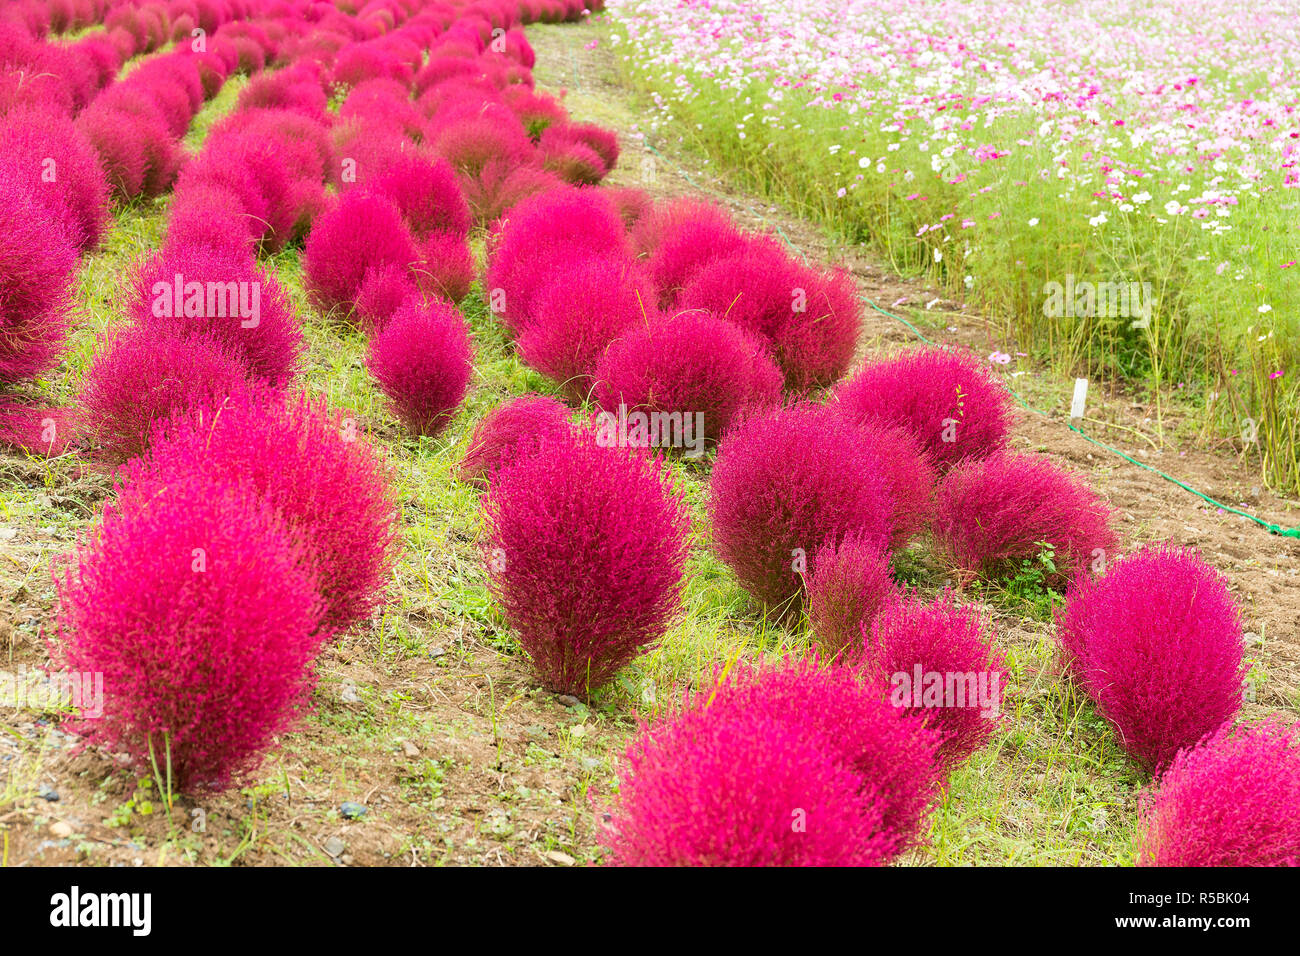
pixel 392 477
pixel 998 147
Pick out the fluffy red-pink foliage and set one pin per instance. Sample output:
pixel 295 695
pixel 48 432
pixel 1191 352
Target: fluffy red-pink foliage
pixel 992 514
pixel 631 203
pixel 198 608
pixel 255 166
pixel 710 788
pixel 33 428
pixel 137 150
pixel 384 104
pixel 297 88
pixel 383 289
pixel 953 404
pixel 691 363
pixel 576 315
pixel 1157 643
pixel 851 581
pixel 586 546
pixel 257 324
pixel 785 483
pixel 523 426
pixel 422 360
pixel 469 143
pixel 680 238
pixel 542 238
pixel 574 163
pixel 910 475
pixel 37 268
pixel 208 215
pixel 424 188
pixel 140 378
pixel 61 170
pixel 446 266
pixel 307 461
pixel 499 187
pixel 812 319
pixel 536 111
pixel 1233 800
pixel 942 639
pixel 362 232
pixel 721 782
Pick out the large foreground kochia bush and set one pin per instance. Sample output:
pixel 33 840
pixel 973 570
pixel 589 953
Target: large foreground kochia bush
pixel 1234 800
pixel 1157 644
pixel 586 547
pixel 789 765
pixel 785 483
pixel 314 467
pixel 198 608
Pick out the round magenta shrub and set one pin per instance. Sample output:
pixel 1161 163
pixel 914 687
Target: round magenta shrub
pixel 850 583
pixel 937 664
pixel 1156 642
pixel 692 364
pixel 1233 800
pixel 382 291
pixel 513 430
pixel 787 765
pixel 422 359
pixel 446 267
pixel 586 546
pixel 740 789
pixel 680 238
pixel 785 483
pixel 362 232
pixel 309 463
pixel 544 237
pixel 37 268
pixel 499 187
pixel 61 171
pixel 224 296
pixel 424 188
pixel 197 608
pixel 576 314
pixel 909 474
pixel 33 429
pixel 951 402
pixel 811 319
pixel 993 514
pixel 141 378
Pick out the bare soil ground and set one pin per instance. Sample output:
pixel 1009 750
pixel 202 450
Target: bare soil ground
pixel 429 718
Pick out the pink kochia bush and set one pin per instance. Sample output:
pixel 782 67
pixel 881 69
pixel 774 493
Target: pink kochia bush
pixel 910 475
pixel 850 583
pixel 577 314
pixel 422 359
pixel 223 296
pixel 140 379
pixel 363 232
pixel 1234 800
pixel 936 663
pixel 682 237
pixel 310 464
pixel 37 267
pixel 521 427
pixel 1157 644
pixel 586 547
pixel 952 403
pixel 811 319
pixel 785 483
pixel 198 608
pixel 994 513
pixel 691 364
pixel 783 766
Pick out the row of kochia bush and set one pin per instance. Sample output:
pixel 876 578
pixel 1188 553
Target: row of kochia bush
pixel 670 311
pixel 267 526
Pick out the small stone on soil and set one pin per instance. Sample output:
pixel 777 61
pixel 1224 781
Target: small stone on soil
pixel 352 811
pixel 46 792
pixel 568 700
pixel 335 847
